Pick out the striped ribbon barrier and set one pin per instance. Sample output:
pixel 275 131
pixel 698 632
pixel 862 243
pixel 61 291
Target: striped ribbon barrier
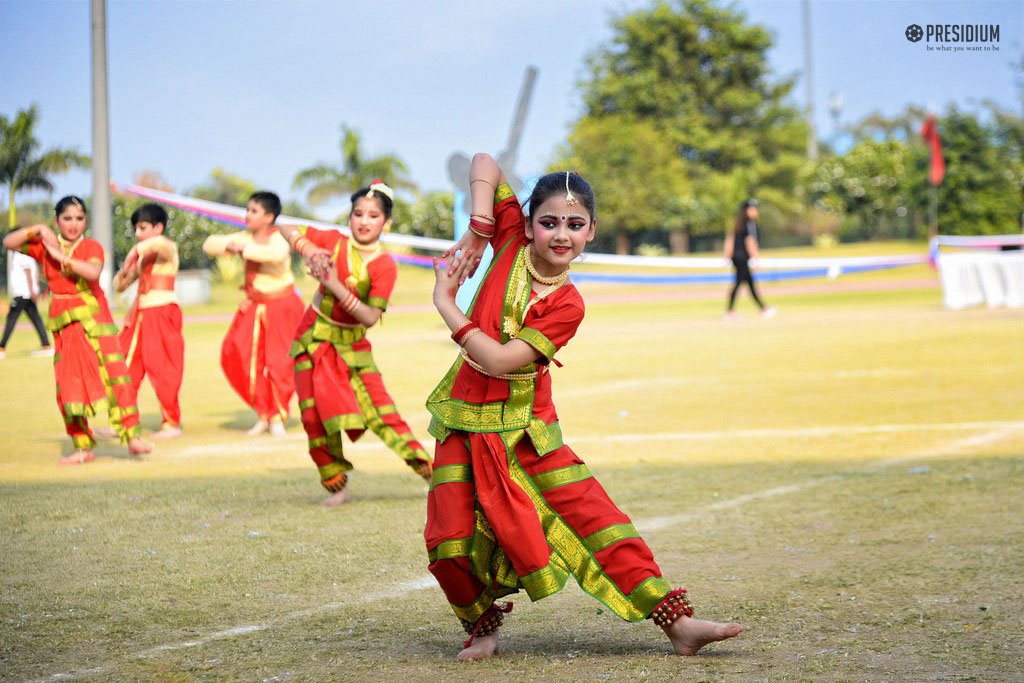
pixel 769 269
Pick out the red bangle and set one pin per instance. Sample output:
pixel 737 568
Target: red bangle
pixel 459 334
pixel 480 228
pixel 351 301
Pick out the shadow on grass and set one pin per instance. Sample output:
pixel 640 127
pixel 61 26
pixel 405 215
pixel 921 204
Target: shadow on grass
pixel 241 420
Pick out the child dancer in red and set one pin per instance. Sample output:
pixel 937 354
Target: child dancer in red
pixel 88 361
pixel 340 388
pixel 151 337
pixel 254 355
pixel 512 506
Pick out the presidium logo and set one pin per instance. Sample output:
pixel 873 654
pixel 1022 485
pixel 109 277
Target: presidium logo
pixel 963 37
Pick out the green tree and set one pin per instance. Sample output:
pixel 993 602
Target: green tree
pixel 981 193
pixel 1009 136
pixel 874 189
pixel 697 74
pixel 23 166
pixel 225 188
pixel 326 181
pixel 880 189
pixel 432 216
pixel 636 175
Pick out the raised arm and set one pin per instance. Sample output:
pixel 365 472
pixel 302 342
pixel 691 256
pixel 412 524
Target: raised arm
pixel 484 178
pixel 493 356
pixel 216 245
pixel 15 239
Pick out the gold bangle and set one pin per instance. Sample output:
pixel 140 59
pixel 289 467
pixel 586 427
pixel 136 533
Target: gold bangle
pixel 461 327
pixel 478 233
pixel 481 180
pixel 482 216
pixel 31 232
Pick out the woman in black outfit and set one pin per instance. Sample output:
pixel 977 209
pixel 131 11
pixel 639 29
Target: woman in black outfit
pixel 740 248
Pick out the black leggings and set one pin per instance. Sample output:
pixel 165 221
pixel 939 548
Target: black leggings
pixel 743 274
pixel 19 304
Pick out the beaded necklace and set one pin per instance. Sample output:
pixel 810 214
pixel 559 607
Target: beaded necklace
pixel 553 280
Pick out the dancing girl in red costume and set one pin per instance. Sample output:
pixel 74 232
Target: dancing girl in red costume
pixel 88 361
pixel 340 388
pixel 511 506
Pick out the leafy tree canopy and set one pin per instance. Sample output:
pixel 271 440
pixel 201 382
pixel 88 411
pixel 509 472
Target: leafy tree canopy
pixel 326 181
pixel 22 165
pixel 696 75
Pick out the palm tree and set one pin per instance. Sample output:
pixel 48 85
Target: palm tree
pixel 328 181
pixel 22 166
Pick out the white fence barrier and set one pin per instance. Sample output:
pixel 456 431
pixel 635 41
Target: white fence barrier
pixel 993 278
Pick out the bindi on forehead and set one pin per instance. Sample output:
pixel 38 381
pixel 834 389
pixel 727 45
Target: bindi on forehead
pixel 565 217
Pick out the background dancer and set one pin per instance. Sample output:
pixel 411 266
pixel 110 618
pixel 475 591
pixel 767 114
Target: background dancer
pixel 511 506
pixel 340 388
pixel 151 338
pixel 254 355
pixel 88 364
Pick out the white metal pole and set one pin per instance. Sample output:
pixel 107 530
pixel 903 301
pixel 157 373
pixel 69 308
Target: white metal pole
pixel 101 213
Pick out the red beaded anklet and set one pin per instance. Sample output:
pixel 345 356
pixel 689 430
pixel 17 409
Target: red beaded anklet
pixel 488 623
pixel 675 605
pixel 335 483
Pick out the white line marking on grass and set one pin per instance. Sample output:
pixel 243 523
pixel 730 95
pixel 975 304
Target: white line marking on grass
pixel 229 633
pixel 960 445
pixel 801 431
pixel 245 445
pixel 655 523
pixel 397 591
pixel 242 446
pixel 1003 430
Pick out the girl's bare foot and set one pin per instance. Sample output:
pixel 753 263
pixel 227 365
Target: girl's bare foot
pixel 79 457
pixel 482 647
pixel 258 428
pixel 105 432
pixel 137 446
pixel 688 635
pixel 337 498
pixel 167 432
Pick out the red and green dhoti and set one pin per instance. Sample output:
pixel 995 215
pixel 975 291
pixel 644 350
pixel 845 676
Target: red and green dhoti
pixel 91 374
pixel 501 517
pixel 340 390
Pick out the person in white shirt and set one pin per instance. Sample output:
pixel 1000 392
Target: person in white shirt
pixel 23 285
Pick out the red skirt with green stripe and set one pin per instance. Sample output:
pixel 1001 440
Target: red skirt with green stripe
pixel 92 376
pixel 501 518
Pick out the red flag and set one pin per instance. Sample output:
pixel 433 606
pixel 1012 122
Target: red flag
pixel 930 133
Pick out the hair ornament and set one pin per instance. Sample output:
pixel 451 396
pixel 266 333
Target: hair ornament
pixel 569 198
pixel 379 186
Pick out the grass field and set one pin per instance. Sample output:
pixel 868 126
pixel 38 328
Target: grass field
pixel 845 480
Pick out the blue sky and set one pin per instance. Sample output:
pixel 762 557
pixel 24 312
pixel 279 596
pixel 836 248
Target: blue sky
pixel 260 87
